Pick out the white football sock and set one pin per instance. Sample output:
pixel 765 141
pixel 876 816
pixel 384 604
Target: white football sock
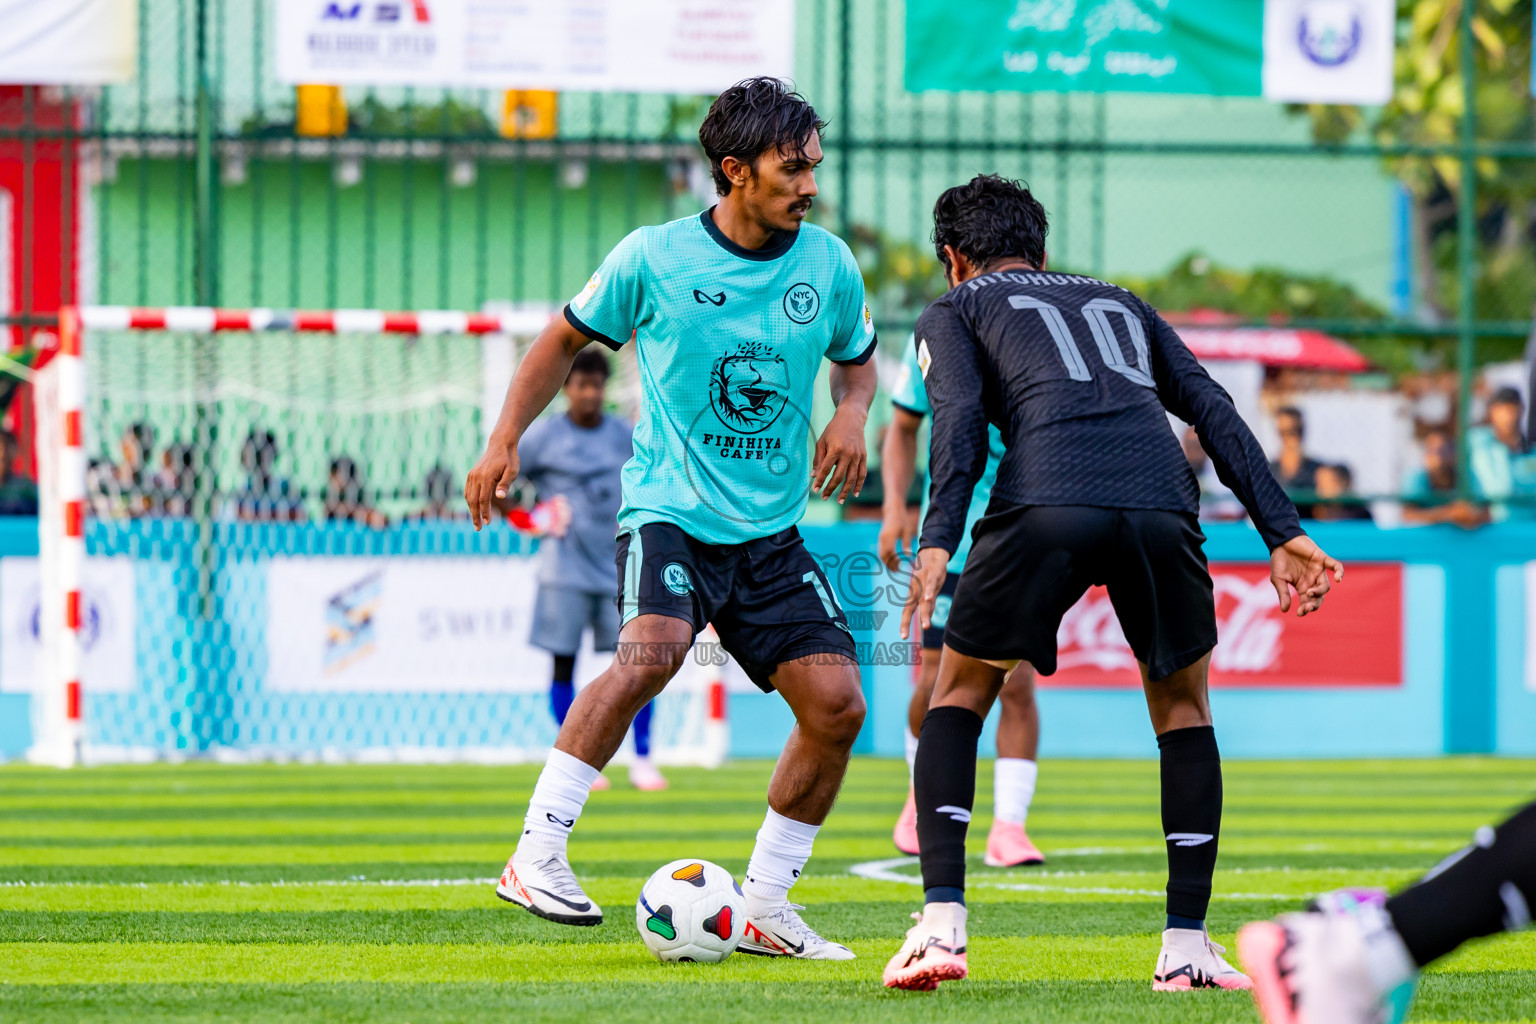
pixel 911 753
pixel 946 920
pixel 558 797
pixel 783 847
pixel 1387 959
pixel 1013 787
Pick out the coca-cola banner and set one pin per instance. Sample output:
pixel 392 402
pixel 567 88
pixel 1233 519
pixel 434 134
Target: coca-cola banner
pixel 1356 640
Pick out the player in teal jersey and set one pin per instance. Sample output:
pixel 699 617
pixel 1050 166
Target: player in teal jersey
pixel 1018 727
pixel 731 312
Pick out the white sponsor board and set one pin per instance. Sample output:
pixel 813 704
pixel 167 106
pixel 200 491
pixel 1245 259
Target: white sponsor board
pixel 68 42
pixel 1328 51
pixel 688 46
pixel 107 628
pixel 400 624
pixel 418 625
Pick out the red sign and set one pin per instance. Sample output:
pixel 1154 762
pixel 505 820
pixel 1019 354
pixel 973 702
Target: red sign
pixel 1274 346
pixel 1355 640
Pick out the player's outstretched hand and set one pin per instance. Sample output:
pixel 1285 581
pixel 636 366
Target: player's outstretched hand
pixel 491 478
pixel 923 591
pixel 1300 565
pixel 896 536
pixel 840 456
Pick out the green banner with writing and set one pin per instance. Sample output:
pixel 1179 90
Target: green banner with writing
pixel 1209 47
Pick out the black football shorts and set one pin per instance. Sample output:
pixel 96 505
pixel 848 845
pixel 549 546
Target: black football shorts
pixel 1030 564
pixel 768 599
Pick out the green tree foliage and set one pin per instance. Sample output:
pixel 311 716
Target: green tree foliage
pixel 1426 109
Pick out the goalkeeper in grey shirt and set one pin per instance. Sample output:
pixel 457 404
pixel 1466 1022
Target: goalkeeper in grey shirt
pixel 578 457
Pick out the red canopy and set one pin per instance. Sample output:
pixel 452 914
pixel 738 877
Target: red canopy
pixel 1274 346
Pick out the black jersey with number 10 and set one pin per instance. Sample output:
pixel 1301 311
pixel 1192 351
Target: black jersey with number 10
pixel 1076 374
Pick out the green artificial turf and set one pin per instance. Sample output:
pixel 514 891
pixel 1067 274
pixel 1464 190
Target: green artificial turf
pixel 363 893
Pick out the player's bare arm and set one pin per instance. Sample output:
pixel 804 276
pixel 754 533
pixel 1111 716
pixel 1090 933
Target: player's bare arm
pixel 898 464
pixel 1296 563
pixel 923 590
pixel 841 459
pixel 534 386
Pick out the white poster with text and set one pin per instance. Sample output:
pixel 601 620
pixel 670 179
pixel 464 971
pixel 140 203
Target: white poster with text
pixel 684 46
pixel 402 624
pixel 424 625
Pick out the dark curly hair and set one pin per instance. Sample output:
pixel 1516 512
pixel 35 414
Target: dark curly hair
pixel 589 360
pixel 987 218
pixel 751 118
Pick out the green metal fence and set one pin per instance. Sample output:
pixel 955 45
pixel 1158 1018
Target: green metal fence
pixel 199 192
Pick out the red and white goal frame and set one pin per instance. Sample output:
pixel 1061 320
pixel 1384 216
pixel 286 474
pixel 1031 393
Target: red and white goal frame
pixel 60 399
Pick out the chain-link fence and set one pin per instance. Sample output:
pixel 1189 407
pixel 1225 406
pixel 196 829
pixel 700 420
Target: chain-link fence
pixel 190 185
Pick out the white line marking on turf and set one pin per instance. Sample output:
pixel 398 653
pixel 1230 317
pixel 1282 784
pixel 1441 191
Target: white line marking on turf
pixel 280 883
pixel 884 871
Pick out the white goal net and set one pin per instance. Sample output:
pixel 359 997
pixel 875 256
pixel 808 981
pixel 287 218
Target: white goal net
pixel 278 562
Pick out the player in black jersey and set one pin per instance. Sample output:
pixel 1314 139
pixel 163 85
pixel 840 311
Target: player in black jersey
pixel 1078 375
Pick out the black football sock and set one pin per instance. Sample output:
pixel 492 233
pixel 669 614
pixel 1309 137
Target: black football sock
pixel 944 779
pixel 1191 771
pixel 562 691
pixel 1488 887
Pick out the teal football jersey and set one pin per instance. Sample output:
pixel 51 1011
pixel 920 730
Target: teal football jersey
pixel 910 394
pixel 729 342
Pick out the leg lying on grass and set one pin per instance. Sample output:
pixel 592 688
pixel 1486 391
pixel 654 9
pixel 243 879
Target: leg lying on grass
pixel 1354 957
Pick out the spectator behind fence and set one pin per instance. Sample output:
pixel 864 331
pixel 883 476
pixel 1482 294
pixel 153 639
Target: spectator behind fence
pixel 345 497
pixel 1217 502
pixel 131 476
pixel 120 490
pixel 1503 469
pixel 1337 499
pixel 1430 495
pixel 266 497
pixel 174 484
pixel 1295 469
pixel 442 501
pixel 18 492
pixel 101 490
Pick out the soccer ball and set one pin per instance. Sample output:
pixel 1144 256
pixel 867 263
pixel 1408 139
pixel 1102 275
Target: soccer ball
pixel 691 911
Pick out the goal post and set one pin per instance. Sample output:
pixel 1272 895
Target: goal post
pixel 58 396
pixel 253 545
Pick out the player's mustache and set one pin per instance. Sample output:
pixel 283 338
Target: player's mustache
pixel 804 204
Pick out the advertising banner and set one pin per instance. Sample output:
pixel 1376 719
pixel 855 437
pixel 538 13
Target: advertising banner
pixel 401 624
pixel 422 625
pixel 1324 51
pixel 1356 640
pixel 685 46
pixel 107 629
pixel 68 42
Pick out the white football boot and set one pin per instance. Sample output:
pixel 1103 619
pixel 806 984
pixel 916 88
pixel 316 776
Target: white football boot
pixel 934 950
pixel 645 776
pixel 540 879
pixel 777 930
pixel 1190 960
pixel 1316 967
